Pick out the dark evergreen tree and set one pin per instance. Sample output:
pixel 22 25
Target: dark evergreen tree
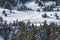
pixel 17 22
pixel 14 24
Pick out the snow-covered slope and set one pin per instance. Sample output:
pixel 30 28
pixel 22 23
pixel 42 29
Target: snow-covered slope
pixel 33 16
pixel 32 5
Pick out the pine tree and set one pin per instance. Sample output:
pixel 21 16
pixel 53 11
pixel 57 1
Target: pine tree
pixel 17 22
pixel 1 21
pixel 22 26
pixel 5 24
pixel 13 36
pixel 14 24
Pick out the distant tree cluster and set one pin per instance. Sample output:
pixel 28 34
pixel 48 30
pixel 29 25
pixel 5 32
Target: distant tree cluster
pixel 46 16
pixel 28 31
pixel 31 32
pixel 23 8
pixel 8 4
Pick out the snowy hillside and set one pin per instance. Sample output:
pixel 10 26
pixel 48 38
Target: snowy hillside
pixel 33 13
pixel 33 16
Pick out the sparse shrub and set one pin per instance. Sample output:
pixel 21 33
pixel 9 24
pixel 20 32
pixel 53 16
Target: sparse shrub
pixel 23 7
pixel 29 9
pixel 1 21
pixel 40 4
pixel 56 15
pixel 51 14
pixel 5 15
pixel 44 15
pixel 14 24
pixel 3 12
pixel 46 9
pixel 57 9
pixel 10 10
pixel 38 10
pixel 1 18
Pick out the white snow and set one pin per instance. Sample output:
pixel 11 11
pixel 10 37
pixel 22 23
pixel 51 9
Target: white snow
pixel 50 3
pixel 1 38
pixel 32 5
pixel 33 16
